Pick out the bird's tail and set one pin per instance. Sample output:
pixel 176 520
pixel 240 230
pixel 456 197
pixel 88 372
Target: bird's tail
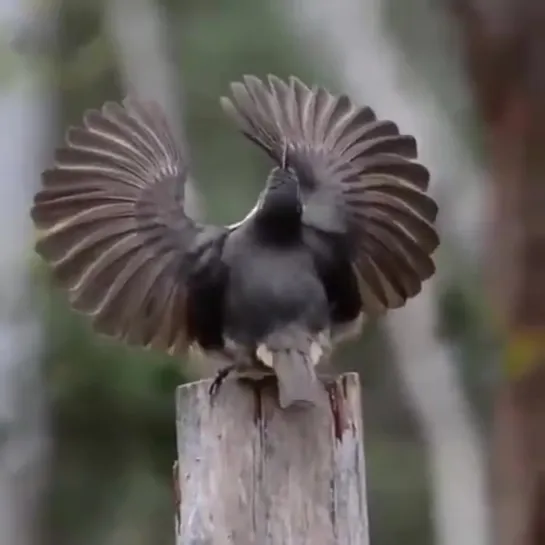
pixel 293 354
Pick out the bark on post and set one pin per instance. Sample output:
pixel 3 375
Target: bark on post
pixel 250 473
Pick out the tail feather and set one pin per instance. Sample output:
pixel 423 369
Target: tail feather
pixel 298 384
pixel 293 355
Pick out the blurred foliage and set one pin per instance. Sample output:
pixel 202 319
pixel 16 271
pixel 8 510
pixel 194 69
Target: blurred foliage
pixel 112 406
pixel 415 26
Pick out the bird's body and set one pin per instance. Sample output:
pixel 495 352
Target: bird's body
pixel 263 304
pixel 343 230
pixel 261 295
pixel 256 304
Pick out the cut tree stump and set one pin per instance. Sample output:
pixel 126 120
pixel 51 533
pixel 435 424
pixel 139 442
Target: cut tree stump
pixel 250 473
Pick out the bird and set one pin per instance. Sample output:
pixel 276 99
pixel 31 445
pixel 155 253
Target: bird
pixel 343 231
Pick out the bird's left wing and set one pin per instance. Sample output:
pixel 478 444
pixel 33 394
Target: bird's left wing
pixel 113 226
pixel 358 180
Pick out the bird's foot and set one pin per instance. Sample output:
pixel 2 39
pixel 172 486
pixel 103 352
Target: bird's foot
pixel 221 375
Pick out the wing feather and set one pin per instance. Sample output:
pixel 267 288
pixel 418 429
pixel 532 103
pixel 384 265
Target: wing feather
pixel 113 226
pixel 359 178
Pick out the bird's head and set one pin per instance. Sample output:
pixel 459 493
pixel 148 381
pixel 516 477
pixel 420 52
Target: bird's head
pixel 281 203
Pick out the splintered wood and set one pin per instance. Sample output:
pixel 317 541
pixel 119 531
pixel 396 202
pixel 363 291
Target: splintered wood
pixel 250 473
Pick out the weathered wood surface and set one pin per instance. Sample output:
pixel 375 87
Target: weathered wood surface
pixel 252 474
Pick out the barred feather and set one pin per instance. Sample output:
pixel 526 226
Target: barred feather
pixel 113 225
pixel 358 177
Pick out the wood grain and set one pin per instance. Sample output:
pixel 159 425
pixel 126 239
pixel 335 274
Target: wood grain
pixel 252 474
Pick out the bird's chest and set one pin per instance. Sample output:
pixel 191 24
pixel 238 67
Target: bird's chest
pixel 271 278
pixel 270 287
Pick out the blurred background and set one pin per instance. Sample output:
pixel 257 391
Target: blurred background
pixel 454 389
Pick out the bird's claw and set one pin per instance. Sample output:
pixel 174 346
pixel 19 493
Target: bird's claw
pixel 221 375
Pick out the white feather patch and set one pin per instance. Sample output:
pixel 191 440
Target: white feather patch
pixel 316 352
pixel 264 355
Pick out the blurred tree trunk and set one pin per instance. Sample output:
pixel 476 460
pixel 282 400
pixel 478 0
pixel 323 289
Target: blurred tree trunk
pixel 505 56
pixel 26 114
pixel 352 34
pixel 139 30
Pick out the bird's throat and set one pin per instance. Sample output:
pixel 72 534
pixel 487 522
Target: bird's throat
pixel 280 226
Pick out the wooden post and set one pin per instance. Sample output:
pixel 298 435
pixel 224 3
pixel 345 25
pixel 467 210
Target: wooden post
pixel 252 474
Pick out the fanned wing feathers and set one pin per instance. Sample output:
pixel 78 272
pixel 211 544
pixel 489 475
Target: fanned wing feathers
pixel 358 180
pixel 113 225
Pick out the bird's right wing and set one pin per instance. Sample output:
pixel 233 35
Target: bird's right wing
pixel 359 181
pixel 113 226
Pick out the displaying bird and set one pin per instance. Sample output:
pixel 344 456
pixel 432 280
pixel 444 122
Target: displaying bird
pixel 343 230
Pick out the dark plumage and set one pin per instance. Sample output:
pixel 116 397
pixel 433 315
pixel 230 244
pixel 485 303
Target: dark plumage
pixel 343 229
